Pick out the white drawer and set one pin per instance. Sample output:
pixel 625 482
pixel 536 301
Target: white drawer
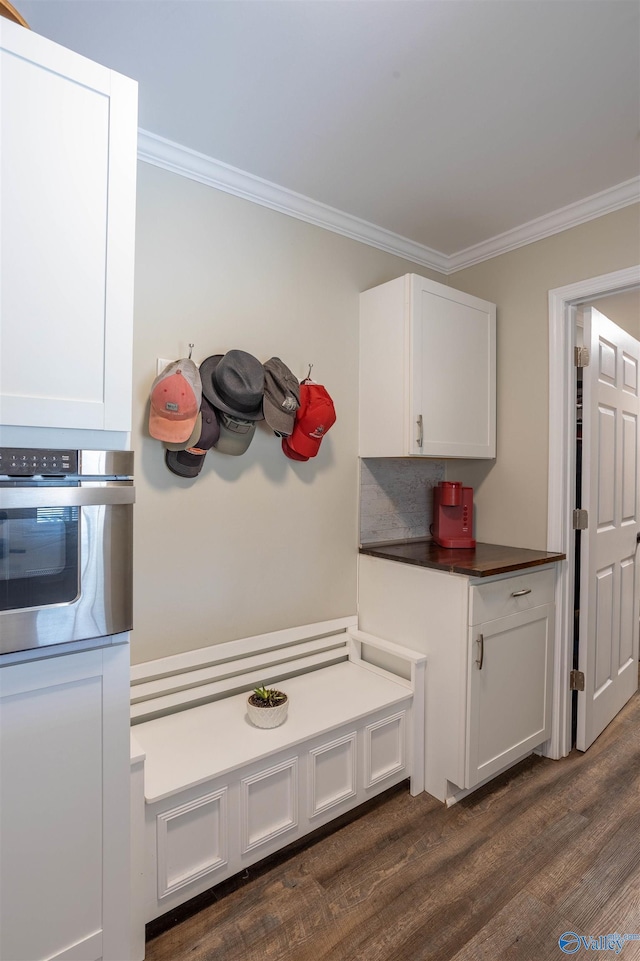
pixel 497 598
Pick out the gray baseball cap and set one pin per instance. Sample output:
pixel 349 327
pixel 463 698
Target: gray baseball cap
pixel 235 434
pixel 190 441
pixel 281 397
pixel 188 462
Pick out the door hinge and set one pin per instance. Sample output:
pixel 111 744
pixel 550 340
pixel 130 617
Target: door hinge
pixel 580 519
pixel 576 681
pixel 582 357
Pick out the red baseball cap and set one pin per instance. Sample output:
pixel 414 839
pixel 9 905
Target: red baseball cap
pixel 289 451
pixel 314 417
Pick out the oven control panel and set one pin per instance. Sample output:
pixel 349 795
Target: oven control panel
pixel 30 462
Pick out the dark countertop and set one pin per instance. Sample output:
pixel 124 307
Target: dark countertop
pixel 484 560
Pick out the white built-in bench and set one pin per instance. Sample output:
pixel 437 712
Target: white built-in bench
pixel 212 794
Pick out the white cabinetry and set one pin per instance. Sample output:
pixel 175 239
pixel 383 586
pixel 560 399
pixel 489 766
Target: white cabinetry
pixel 427 371
pixel 69 129
pixel 479 719
pixel 64 807
pixel 509 672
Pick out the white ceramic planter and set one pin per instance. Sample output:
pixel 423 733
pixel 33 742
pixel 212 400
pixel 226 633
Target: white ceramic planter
pixel 268 716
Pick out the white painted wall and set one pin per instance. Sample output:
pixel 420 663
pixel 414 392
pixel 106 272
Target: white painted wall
pixel 257 542
pixel 511 493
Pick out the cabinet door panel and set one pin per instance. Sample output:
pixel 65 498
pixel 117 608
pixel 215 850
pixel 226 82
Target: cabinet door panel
pixel 66 222
pixel 427 371
pixel 54 133
pixel 51 806
pixel 64 807
pixel 453 355
pixel 510 694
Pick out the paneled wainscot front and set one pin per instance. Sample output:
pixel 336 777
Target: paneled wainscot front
pixel 199 837
pixel 219 794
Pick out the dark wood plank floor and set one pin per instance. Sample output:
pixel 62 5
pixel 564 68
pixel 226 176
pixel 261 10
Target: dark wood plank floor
pixel 549 847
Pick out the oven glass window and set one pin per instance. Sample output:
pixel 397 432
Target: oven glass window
pixel 38 557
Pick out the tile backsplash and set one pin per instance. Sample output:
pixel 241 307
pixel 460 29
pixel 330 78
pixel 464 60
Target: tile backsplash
pixel 395 497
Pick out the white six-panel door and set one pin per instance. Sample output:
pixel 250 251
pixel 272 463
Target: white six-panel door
pixel 608 583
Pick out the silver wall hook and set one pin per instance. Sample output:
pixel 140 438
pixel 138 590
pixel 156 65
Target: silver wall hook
pixel 191 346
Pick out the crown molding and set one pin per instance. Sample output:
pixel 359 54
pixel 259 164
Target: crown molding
pixel 171 156
pixel 605 202
pixel 214 173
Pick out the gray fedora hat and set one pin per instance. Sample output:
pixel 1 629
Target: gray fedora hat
pixel 234 383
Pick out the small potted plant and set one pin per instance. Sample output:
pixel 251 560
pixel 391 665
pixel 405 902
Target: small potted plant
pixel 267 707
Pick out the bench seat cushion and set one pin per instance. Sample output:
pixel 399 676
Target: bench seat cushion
pixel 193 746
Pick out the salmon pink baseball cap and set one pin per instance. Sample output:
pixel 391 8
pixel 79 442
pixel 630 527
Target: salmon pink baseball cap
pixel 314 417
pixel 176 395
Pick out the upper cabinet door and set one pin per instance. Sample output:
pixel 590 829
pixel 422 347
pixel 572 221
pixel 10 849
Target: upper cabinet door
pixel 453 372
pixel 427 371
pixel 67 221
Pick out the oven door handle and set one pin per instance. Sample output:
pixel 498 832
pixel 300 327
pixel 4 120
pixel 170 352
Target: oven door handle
pixel 86 496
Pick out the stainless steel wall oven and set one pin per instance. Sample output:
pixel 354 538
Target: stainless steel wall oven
pixel 66 530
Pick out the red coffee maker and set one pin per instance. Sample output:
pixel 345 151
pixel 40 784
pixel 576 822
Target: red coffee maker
pixel 453 515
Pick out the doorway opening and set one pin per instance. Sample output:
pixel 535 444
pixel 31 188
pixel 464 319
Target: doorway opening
pixel 562 477
pixel 575 661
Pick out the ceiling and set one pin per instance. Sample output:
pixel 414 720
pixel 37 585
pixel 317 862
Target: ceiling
pixel 446 122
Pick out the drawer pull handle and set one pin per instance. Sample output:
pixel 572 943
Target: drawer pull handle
pixel 480 657
pixel 420 437
pixel 525 590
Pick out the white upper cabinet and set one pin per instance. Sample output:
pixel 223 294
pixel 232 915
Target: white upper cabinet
pixel 427 371
pixel 67 221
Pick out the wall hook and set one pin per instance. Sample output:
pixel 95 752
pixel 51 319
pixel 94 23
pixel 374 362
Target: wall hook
pixel 308 377
pixel 191 346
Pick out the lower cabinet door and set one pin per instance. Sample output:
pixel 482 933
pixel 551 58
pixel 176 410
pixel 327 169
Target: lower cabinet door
pixel 51 767
pixel 510 672
pixel 64 780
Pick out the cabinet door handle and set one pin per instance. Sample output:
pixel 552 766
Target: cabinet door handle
pixel 420 437
pixel 525 590
pixel 480 657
